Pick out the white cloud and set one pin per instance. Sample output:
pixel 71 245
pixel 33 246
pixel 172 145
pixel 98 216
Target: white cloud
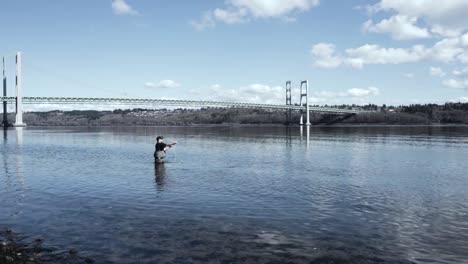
pixel 444 21
pixel 358 92
pixel 324 55
pixel 162 84
pixel 436 71
pixel 401 27
pixel 463 99
pixel 374 54
pixel 446 32
pixel 120 7
pixel 206 21
pixel 460 81
pixel 241 11
pixel 409 75
pixel 464 40
pixel 230 17
pixel 453 83
pixel 448 50
pixel 266 94
pixel 461 73
pixel 463 57
pixel 442 16
pixel 273 8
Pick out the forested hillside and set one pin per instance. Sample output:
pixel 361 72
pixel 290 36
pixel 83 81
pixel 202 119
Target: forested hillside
pixel 449 113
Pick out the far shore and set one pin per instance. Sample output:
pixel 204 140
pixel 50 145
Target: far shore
pixel 260 125
pixel 450 114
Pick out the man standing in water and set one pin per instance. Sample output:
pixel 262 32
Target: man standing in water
pixel 160 149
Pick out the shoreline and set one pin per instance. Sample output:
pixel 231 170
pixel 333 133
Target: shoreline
pixel 258 125
pixel 413 115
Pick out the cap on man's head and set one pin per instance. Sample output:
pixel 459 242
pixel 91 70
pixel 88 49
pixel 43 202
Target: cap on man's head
pixel 159 137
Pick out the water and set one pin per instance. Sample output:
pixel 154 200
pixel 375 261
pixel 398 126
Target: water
pixel 241 194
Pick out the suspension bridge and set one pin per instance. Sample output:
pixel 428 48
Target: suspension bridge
pixel 19 100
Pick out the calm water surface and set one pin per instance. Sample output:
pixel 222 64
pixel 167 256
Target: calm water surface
pixel 241 194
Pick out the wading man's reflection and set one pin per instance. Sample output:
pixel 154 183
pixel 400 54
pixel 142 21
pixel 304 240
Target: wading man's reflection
pixel 159 175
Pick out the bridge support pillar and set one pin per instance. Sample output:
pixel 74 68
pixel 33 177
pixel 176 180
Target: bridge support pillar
pixel 304 94
pixel 288 102
pixel 5 114
pixel 19 94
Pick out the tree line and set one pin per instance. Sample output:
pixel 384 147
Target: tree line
pixel 415 114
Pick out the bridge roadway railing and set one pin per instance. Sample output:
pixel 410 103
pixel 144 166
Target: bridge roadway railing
pixel 166 102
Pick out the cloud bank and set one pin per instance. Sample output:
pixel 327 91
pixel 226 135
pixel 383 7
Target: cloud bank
pixel 243 11
pixel 447 50
pixel 266 94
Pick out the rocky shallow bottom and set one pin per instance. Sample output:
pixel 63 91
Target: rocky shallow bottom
pixel 266 249
pixel 16 249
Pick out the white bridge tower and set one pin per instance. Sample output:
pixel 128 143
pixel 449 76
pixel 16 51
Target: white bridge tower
pixel 304 94
pixel 19 93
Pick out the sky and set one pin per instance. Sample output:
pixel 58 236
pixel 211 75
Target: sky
pixel 352 52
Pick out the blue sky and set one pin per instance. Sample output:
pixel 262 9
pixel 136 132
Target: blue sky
pixel 381 51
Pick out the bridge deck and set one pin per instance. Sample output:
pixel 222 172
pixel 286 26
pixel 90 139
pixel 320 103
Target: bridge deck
pixel 166 102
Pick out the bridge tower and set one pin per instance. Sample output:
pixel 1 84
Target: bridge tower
pixel 19 94
pixel 5 114
pixel 288 102
pixel 304 95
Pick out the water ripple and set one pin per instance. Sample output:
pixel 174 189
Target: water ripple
pixel 264 195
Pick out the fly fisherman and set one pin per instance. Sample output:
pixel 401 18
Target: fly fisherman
pixel 160 149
